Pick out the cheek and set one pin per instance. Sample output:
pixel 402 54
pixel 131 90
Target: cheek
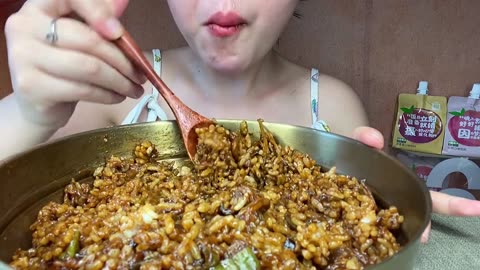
pixel 275 15
pixel 183 12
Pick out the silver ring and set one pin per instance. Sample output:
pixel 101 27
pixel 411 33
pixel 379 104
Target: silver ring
pixel 52 36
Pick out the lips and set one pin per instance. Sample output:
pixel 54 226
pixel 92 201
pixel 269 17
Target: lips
pixel 225 24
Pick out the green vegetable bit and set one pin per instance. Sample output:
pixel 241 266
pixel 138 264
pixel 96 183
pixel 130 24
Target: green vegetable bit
pixel 73 247
pixel 244 260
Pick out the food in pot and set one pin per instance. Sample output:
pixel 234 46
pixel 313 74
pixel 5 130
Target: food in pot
pixel 244 204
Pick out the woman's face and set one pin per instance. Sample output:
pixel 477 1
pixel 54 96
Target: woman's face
pixel 231 35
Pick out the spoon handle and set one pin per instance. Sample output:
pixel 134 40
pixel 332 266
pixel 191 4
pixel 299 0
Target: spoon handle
pixel 135 54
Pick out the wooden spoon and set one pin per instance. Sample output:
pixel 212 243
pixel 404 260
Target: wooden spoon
pixel 188 120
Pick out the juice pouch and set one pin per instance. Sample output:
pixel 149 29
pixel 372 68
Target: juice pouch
pixel 462 137
pixel 419 125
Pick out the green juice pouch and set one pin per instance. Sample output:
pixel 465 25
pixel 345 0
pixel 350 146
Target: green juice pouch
pixel 420 121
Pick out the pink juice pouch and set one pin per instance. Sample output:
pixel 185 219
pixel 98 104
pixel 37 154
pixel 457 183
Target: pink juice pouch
pixel 462 137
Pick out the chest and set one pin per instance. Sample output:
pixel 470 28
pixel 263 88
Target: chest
pixel 288 107
pixel 291 105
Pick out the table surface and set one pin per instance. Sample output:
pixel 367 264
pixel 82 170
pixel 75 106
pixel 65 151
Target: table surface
pixel 454 244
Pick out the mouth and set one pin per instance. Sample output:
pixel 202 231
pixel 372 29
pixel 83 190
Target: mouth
pixel 225 24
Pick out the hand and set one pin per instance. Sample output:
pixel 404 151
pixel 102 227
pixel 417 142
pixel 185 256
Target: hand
pixel 83 65
pixel 442 203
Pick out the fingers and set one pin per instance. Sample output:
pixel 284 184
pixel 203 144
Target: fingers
pixel 426 233
pixel 454 206
pixel 49 79
pixel 369 136
pixel 80 55
pixel 61 90
pixel 450 205
pixel 119 6
pixel 84 69
pixel 100 14
pixel 73 35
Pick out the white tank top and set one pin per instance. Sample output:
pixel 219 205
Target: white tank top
pixel 155 112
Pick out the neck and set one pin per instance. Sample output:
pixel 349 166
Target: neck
pixel 252 82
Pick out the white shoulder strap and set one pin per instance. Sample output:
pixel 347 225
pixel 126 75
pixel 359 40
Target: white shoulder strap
pixel 157 61
pixel 154 111
pixel 316 123
pixel 314 94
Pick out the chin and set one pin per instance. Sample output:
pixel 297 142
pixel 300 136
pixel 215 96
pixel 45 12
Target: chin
pixel 227 65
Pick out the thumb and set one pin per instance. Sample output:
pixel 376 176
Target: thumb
pixel 109 26
pixel 119 7
pixel 369 136
pixel 426 233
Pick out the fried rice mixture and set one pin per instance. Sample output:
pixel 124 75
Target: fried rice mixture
pixel 245 204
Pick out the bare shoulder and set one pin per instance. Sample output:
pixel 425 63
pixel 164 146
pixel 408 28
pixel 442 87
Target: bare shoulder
pixel 333 88
pixel 340 106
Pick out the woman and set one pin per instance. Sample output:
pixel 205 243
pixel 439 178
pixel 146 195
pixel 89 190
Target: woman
pixel 229 70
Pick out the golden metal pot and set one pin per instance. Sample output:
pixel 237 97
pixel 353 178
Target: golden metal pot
pixel 29 180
